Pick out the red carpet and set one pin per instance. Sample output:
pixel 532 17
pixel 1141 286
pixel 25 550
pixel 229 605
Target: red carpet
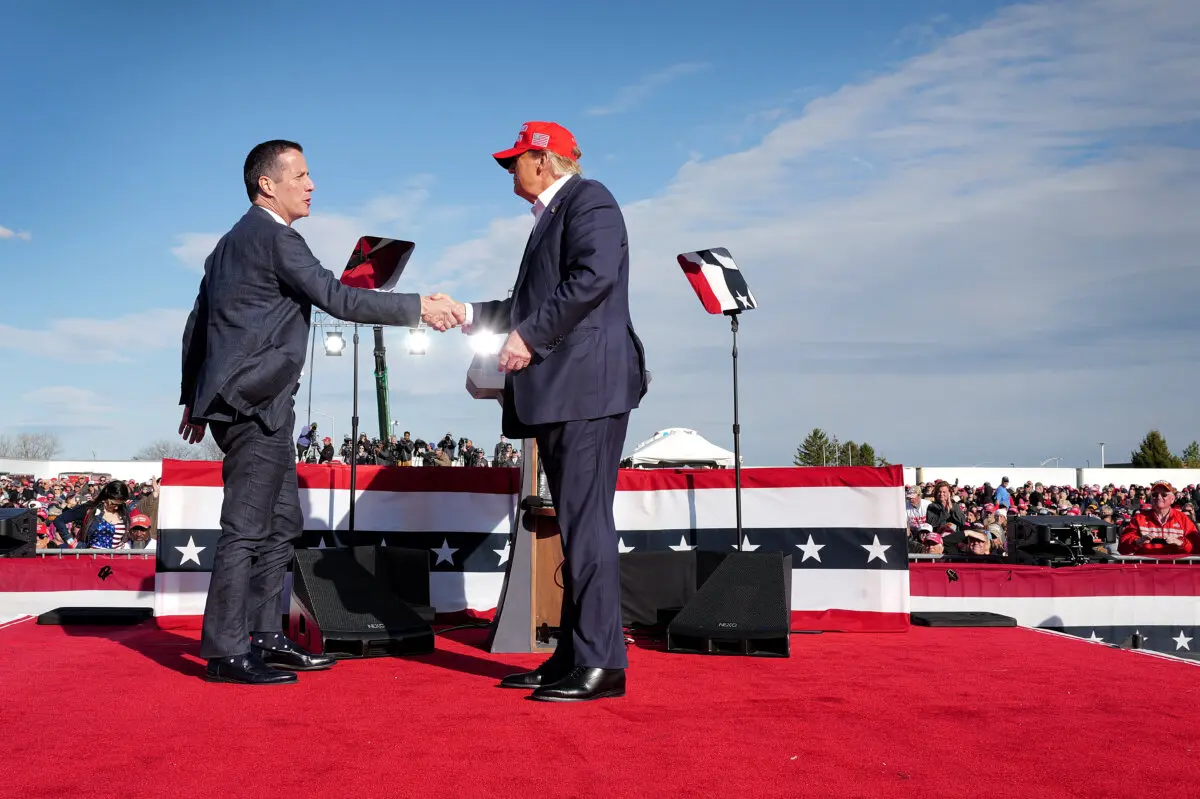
pixel 91 712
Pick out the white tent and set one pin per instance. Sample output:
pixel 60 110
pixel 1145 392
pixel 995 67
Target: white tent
pixel 678 446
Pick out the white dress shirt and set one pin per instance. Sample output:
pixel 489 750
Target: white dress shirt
pixel 539 205
pixel 274 215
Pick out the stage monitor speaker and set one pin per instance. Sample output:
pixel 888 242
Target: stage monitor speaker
pixel 961 618
pixel 18 533
pixel 405 571
pixel 742 608
pixel 654 583
pixel 342 609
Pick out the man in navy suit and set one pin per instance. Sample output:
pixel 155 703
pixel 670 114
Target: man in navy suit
pixel 244 347
pixel 575 369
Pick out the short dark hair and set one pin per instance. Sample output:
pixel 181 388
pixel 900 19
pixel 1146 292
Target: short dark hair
pixel 264 160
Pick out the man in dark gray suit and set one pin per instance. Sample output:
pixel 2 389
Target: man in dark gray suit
pixel 576 368
pixel 243 350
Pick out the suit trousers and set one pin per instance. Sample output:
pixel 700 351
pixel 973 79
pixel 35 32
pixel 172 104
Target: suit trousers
pixel 581 459
pixel 260 522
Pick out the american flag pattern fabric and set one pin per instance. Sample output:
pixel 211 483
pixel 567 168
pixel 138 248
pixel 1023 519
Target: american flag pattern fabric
pixel 845 529
pixel 717 281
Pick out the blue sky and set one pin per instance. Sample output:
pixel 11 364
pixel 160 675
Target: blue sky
pixel 967 223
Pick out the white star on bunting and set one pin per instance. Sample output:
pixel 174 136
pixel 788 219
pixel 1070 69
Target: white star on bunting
pixel 622 548
pixel 445 553
pixel 742 300
pixel 683 545
pixel 1182 642
pixel 810 550
pixel 503 553
pixel 747 546
pixel 876 550
pixel 1095 639
pixel 190 552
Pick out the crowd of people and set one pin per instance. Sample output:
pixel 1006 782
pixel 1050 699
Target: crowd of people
pixel 1157 520
pixel 87 511
pixel 311 447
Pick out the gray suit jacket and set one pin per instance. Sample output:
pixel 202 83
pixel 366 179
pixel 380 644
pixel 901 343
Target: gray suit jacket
pixel 570 305
pixel 246 339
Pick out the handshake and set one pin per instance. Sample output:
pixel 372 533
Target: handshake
pixel 442 313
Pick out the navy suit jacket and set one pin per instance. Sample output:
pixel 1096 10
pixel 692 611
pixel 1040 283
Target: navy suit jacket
pixel 246 339
pixel 570 305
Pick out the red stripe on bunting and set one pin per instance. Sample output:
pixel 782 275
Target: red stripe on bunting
pixel 793 477
pixel 77 573
pixel 195 474
pixel 990 580
pixel 506 481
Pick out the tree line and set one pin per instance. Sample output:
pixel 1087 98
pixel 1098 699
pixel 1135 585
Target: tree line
pixel 1155 454
pixel 824 449
pixel 46 446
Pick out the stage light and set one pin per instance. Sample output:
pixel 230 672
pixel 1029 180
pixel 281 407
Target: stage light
pixel 487 343
pixel 334 343
pixel 418 342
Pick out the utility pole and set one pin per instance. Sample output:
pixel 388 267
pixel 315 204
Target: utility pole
pixel 1101 454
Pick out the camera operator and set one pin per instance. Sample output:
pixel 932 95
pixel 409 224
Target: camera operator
pixel 1162 530
pixel 404 450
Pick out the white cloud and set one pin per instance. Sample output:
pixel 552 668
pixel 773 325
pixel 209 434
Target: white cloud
pixel 331 235
pixel 193 249
pixel 67 401
pixel 76 340
pixel 629 97
pixel 23 235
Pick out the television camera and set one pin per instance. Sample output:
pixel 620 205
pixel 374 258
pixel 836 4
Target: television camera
pixel 1060 540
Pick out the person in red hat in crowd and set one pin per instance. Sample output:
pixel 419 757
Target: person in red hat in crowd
pixel 326 450
pixel 575 369
pixel 139 531
pixel 1159 530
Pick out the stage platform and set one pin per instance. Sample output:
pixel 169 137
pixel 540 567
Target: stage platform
pixel 122 712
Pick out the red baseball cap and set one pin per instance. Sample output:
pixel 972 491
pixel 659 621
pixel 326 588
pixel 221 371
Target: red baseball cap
pixel 539 136
pixel 139 520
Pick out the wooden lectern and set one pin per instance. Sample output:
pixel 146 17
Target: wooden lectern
pixel 527 615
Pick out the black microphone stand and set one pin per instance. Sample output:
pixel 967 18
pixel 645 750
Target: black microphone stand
pixel 354 438
pixel 737 431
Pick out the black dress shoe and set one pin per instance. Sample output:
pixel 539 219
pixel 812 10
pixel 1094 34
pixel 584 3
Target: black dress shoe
pixel 247 669
pixel 583 684
pixel 544 674
pixel 282 652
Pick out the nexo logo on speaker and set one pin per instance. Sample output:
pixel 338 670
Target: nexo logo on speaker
pixel 375 626
pixel 727 624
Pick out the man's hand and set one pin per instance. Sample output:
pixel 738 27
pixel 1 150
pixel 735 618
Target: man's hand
pixel 442 313
pixel 192 433
pixel 514 355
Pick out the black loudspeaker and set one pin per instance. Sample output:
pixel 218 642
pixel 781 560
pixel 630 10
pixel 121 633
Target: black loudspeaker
pixel 742 607
pixel 654 584
pixel 404 571
pixel 341 608
pixel 18 533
